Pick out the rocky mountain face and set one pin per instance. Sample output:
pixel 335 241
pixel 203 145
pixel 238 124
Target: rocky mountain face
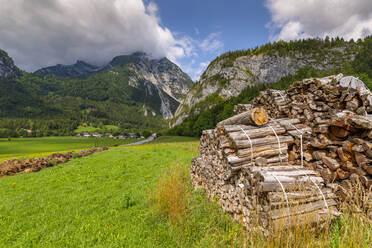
pixel 159 84
pixel 161 78
pixel 7 67
pixel 79 69
pixel 229 74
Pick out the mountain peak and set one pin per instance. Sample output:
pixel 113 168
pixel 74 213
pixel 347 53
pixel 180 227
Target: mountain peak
pixel 122 60
pixel 79 69
pixel 139 54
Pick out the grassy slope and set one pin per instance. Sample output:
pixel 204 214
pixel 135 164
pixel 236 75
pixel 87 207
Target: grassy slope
pixel 97 200
pixel 110 199
pixel 36 147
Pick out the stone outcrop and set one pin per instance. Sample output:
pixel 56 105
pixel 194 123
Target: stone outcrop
pixel 229 79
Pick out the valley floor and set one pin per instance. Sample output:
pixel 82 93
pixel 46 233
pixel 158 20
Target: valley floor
pixel 39 147
pixel 137 196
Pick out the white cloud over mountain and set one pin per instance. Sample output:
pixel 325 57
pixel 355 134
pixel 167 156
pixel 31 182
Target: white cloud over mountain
pixel 294 19
pixel 38 33
pixel 200 50
pixel 212 43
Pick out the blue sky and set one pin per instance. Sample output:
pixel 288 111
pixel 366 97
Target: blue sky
pixel 222 25
pixel 191 33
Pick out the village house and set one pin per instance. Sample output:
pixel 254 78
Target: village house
pixel 86 134
pixel 97 135
pixel 132 136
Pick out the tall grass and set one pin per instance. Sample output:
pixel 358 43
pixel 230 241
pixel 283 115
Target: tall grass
pixel 172 193
pixel 200 222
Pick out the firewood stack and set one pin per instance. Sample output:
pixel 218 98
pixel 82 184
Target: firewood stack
pixel 275 102
pixel 337 110
pixel 318 100
pixel 345 149
pixel 244 164
pixel 344 156
pixel 285 155
pixel 292 195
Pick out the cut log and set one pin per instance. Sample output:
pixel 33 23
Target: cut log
pixel 255 116
pixel 239 144
pixel 301 195
pixel 331 163
pixel 288 186
pixel 339 132
pixel 257 149
pixel 256 133
pixel 301 209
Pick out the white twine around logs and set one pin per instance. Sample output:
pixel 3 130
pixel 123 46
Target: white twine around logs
pixel 280 93
pixel 285 196
pixel 280 151
pixel 250 141
pixel 316 185
pixel 324 199
pixel 301 133
pixel 302 162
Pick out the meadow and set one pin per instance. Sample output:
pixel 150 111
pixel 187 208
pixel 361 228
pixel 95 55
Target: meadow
pixel 91 129
pixel 38 147
pixel 138 196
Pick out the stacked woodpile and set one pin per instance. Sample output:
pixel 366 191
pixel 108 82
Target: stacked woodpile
pixel 317 100
pixel 244 163
pixel 275 101
pixel 345 149
pixel 287 163
pixel 15 166
pixel 339 112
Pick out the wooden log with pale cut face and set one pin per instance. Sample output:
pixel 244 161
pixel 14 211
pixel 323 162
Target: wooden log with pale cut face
pixel 255 116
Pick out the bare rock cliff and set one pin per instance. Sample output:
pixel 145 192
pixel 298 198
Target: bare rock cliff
pixel 226 78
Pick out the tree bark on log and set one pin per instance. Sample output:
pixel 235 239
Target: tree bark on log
pixel 254 116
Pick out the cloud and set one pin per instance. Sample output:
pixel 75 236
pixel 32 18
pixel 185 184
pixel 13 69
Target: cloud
pixel 46 32
pixel 194 70
pixel 212 44
pixel 200 52
pixel 293 19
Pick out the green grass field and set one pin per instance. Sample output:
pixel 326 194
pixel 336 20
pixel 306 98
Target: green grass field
pixel 137 196
pixel 37 147
pixel 100 200
pixel 173 139
pixel 90 129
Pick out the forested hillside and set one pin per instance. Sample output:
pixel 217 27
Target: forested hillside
pixel 121 94
pixel 204 112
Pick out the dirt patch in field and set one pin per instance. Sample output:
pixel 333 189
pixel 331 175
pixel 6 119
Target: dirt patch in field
pixel 16 166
